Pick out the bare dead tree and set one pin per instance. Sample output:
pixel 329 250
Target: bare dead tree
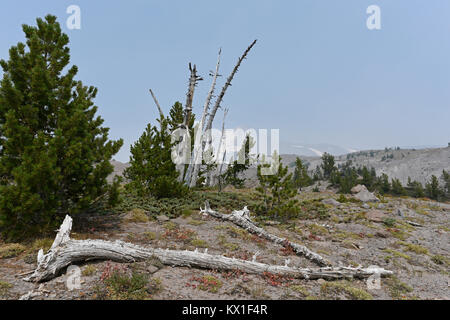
pixel 217 104
pixel 194 166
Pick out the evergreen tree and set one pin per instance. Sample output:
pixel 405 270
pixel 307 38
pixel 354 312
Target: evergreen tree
pixel 383 184
pixel 397 188
pixel 432 189
pixel 152 171
pixel 368 177
pixel 54 153
pixel 241 164
pixel 416 188
pixel 328 165
pixel 277 193
pixel 446 178
pixel 301 178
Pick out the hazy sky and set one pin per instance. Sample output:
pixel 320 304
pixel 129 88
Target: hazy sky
pixel 317 73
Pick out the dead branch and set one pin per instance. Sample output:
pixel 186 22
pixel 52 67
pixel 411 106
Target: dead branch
pixel 161 113
pixel 225 87
pixel 242 219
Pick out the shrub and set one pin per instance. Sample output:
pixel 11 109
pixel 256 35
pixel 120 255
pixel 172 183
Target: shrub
pixel 11 250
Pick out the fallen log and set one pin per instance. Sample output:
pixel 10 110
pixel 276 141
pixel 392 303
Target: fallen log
pixel 242 219
pixel 66 251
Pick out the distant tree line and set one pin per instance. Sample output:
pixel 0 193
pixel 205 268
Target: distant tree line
pixel 346 176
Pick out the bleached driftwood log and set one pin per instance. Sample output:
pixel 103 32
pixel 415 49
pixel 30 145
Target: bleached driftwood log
pixel 242 219
pixel 66 251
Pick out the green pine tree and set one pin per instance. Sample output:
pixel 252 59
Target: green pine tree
pixel 276 192
pixel 301 178
pixel 54 153
pixel 328 165
pixel 397 188
pixel 234 171
pixel 432 189
pixel 151 170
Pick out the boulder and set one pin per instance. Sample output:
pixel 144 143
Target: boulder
pixel 366 196
pixel 358 188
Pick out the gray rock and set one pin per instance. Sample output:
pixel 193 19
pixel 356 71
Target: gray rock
pixel 366 196
pixel 358 188
pixel 381 206
pixel 162 218
pixel 376 215
pixel 331 202
pixel 365 206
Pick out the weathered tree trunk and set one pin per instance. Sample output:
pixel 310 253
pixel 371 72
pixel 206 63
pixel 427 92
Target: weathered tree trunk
pixel 193 79
pixel 218 102
pixel 199 144
pixel 242 219
pixel 66 251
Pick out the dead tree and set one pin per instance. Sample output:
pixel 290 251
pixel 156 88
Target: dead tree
pixel 242 219
pixel 194 166
pixel 66 251
pixel 222 94
pixel 191 179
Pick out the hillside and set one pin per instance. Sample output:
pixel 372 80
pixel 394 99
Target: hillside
pixel 406 236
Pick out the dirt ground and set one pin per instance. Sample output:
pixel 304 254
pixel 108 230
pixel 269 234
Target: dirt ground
pixel 408 236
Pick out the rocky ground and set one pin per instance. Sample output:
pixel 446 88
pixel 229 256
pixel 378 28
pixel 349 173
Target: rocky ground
pixel 407 236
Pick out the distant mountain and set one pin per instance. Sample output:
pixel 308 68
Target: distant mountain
pixel 419 164
pixel 314 150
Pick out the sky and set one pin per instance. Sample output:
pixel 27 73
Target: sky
pixel 317 73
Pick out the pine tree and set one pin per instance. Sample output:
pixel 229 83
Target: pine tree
pixel 241 164
pixel 328 165
pixel 432 189
pixel 397 188
pixel 383 184
pixel 446 178
pixel 301 178
pixel 54 153
pixel 277 193
pixel 151 170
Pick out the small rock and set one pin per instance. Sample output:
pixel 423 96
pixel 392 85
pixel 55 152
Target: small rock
pixel 152 269
pixel 331 201
pixel 321 281
pixel 375 215
pixel 365 206
pixel 162 218
pixel 381 234
pixel 381 206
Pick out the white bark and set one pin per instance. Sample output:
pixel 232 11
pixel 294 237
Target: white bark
pixel 66 251
pixel 199 144
pixel 242 219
